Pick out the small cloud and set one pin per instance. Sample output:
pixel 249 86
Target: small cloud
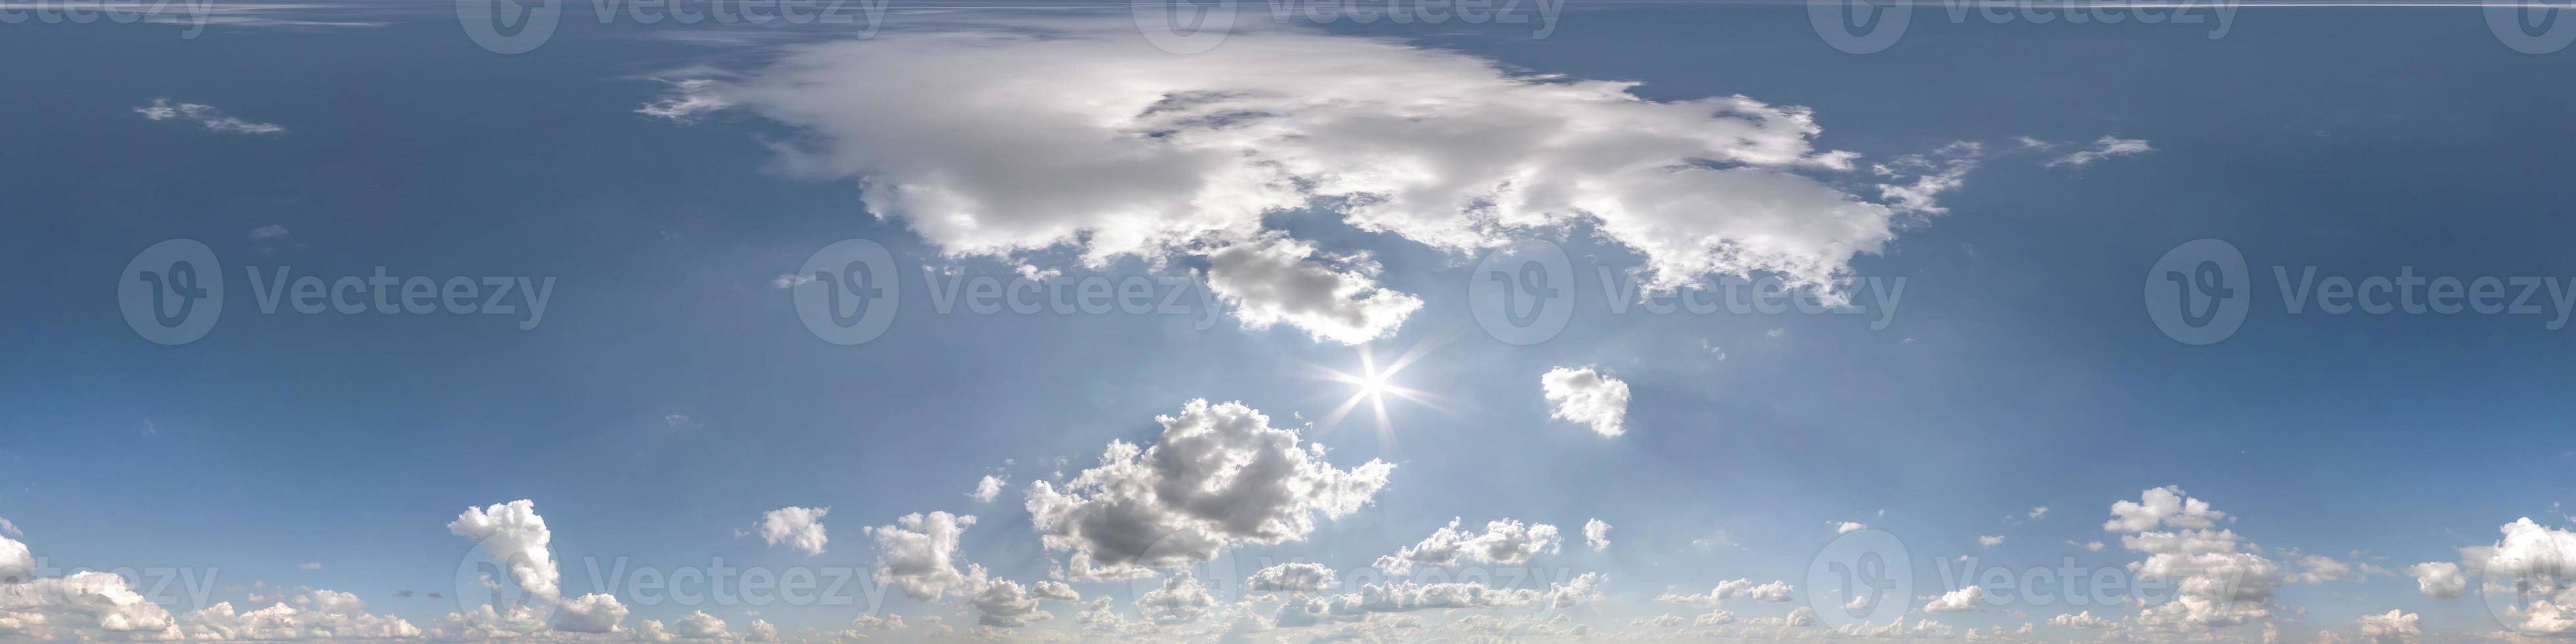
pixel 2104 148
pixel 402 593
pixel 987 489
pixel 271 231
pixel 1990 541
pixel 1774 333
pixel 2038 512
pixel 213 119
pixel 679 421
pixel 310 566
pixel 1847 527
pixel 791 280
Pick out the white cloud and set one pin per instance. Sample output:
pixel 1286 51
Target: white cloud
pixel 2165 506
pixel 761 631
pixel 2318 569
pixel 1990 541
pixel 2104 148
pixel 1596 534
pixel 1774 592
pixel 799 528
pixel 1291 578
pixel 1506 542
pixel 309 615
pixel 1219 475
pixel 2081 620
pixel 699 625
pixel 2038 512
pixel 919 554
pixel 17 563
pixel 271 231
pixel 1272 279
pixel 1957 601
pixel 1848 527
pixel 987 489
pixel 1180 599
pixel 592 613
pixel 1085 139
pixel 213 119
pixel 2396 627
pixel 2441 579
pixel 514 536
pixel 1004 603
pixel 2530 577
pixel 1587 397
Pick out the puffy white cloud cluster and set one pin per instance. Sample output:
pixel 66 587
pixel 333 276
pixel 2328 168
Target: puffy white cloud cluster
pixel 79 604
pixel 2083 619
pixel 1274 279
pixel 2396 627
pixel 313 615
pixel 1290 578
pixel 2218 581
pixel 918 554
pixel 2161 507
pixel 17 563
pixel 1504 542
pixel 799 528
pixel 1587 397
pixel 1957 601
pixel 1218 475
pixel 1774 592
pixel 592 613
pixel 93 606
pixel 1181 598
pixel 2441 579
pixel 987 489
pixel 1596 534
pixel 1005 603
pixel 514 536
pixel 2530 577
pixel 1087 138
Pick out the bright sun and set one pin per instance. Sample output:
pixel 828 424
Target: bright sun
pixel 1373 385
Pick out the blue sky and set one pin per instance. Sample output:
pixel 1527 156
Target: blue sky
pixel 673 181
